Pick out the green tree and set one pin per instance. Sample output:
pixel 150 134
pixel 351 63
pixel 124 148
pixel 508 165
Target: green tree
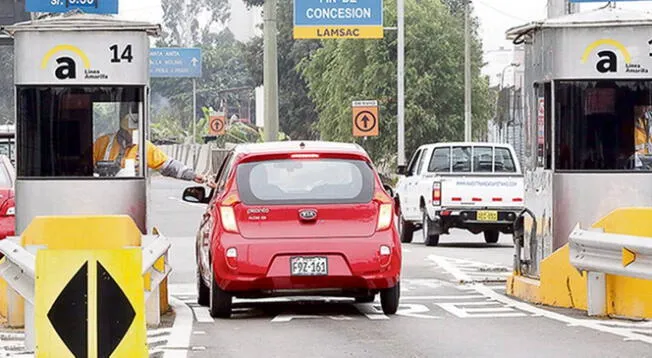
pixel 181 20
pixel 347 70
pixel 297 115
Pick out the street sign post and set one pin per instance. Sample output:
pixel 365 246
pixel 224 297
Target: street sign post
pixel 217 125
pixel 327 19
pixel 177 62
pixel 365 118
pixel 87 6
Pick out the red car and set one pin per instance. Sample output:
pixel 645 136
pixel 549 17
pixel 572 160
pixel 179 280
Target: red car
pixel 7 201
pixel 296 219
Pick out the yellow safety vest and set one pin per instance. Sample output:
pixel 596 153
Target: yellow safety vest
pixel 103 151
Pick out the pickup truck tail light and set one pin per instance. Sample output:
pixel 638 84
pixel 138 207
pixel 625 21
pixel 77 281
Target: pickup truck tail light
pixel 436 193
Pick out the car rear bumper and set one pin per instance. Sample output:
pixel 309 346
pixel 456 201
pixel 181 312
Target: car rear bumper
pixel 263 265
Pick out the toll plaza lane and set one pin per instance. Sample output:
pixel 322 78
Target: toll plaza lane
pixel 452 305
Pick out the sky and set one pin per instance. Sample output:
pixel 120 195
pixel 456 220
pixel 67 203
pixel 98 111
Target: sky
pixel 496 16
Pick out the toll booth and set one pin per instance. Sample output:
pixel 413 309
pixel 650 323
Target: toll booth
pixel 588 130
pixel 82 85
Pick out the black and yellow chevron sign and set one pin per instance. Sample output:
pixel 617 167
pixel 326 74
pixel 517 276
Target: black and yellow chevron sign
pixel 90 303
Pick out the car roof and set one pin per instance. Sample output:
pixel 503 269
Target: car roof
pixel 295 146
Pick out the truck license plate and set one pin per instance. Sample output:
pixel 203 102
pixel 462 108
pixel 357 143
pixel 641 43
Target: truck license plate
pixel 487 216
pixel 309 266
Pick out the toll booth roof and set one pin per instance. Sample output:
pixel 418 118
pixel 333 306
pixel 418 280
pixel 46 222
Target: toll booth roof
pixel 84 22
pixel 602 17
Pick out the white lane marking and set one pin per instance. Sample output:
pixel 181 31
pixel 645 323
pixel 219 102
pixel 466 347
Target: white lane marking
pixel 446 265
pixel 591 324
pixel 441 298
pixel 202 315
pixel 181 330
pixel 290 317
pixel 414 311
pixel 460 311
pixel 371 311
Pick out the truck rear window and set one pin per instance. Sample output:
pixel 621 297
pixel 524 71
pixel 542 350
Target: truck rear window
pixel 471 159
pixel 309 181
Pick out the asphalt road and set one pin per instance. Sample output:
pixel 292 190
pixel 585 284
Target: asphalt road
pixel 453 305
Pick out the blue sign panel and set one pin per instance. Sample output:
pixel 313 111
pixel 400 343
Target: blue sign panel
pixel 338 12
pixel 175 62
pixel 87 6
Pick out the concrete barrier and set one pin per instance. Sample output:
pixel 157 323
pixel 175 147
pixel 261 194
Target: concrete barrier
pixel 562 285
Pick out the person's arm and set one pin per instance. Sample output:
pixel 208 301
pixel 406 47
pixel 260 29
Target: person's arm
pixel 169 167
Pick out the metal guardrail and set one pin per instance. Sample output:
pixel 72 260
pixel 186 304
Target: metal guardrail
pixel 18 268
pixel 599 253
pixel 595 251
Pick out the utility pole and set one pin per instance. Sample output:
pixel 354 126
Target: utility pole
pixel 400 75
pixel 270 80
pixel 467 71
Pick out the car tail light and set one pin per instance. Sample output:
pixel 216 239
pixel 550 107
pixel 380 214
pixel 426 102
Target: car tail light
pixel 304 156
pixel 385 216
pixel 227 214
pixel 517 200
pixel 386 209
pixel 436 193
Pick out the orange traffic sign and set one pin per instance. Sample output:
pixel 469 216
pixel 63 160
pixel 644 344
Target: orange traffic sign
pixel 365 119
pixel 216 125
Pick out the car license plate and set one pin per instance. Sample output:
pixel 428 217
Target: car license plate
pixel 487 216
pixel 309 266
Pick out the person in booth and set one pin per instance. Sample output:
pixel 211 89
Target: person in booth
pixel 116 154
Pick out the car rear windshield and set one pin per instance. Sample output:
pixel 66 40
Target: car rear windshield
pixel 471 159
pixel 305 181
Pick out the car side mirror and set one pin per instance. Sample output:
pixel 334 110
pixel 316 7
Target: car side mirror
pixel 401 170
pixel 195 194
pixel 389 190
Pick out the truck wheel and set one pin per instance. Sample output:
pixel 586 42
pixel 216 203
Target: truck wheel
pixel 428 238
pixel 491 236
pixel 389 299
pixel 405 229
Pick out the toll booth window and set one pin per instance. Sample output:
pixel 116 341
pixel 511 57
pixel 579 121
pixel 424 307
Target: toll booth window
pixel 603 125
pixel 90 132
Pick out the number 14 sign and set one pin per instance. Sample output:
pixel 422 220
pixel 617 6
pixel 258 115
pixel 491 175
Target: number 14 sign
pixel 87 6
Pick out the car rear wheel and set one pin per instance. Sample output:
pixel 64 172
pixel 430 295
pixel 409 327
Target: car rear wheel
pixel 491 236
pixel 365 299
pixel 220 301
pixel 405 229
pixel 203 292
pixel 426 228
pixel 389 299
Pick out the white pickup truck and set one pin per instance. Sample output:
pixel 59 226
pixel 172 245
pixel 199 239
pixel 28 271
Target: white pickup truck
pixel 473 186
